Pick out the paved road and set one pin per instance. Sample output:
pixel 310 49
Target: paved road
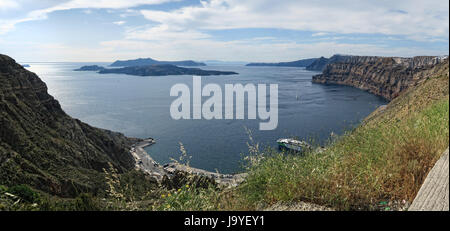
pixel 144 161
pixel 433 195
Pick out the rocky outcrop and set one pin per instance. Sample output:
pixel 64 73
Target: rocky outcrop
pixel 322 62
pixel 90 68
pixel 163 70
pixel 150 61
pixel 384 76
pixel 41 146
pixel 298 63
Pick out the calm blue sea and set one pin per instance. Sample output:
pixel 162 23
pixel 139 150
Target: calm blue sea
pixel 139 107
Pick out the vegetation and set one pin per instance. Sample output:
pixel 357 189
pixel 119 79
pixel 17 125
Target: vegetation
pixel 384 159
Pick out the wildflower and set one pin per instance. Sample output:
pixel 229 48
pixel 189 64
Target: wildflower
pixel 168 195
pixel 179 190
pixel 187 186
pixel 163 196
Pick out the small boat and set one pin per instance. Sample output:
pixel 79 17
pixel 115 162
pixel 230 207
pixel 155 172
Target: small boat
pixel 293 145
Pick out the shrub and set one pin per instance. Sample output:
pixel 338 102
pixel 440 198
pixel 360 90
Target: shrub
pixel 86 202
pixel 24 192
pixel 3 189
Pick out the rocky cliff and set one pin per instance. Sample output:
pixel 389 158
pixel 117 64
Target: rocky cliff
pixel 384 76
pixel 320 63
pixel 41 146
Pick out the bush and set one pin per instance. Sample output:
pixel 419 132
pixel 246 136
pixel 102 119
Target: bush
pixel 3 189
pixel 86 202
pixel 24 192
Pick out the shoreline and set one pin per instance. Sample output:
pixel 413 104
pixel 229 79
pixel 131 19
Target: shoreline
pixel 145 163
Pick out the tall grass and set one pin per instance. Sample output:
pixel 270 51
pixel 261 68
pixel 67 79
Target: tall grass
pixel 379 161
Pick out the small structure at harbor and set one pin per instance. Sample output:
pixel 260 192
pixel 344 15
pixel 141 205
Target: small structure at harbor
pixel 293 145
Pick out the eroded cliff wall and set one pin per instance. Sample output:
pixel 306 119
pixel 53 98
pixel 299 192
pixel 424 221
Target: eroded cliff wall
pixel 41 146
pixel 384 76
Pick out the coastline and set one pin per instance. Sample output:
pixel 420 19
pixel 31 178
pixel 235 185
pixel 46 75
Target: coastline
pixel 145 163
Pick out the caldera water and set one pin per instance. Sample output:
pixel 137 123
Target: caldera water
pixel 140 107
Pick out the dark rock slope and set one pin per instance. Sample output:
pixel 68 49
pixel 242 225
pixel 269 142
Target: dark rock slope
pixel 384 76
pixel 320 63
pixel 163 70
pixel 41 146
pixel 90 68
pixel 150 61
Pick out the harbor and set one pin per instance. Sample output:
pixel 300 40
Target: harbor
pixel 144 162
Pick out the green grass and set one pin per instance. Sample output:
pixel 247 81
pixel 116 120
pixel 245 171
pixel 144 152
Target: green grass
pixel 385 159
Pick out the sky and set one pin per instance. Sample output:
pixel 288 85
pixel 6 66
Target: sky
pixel 227 30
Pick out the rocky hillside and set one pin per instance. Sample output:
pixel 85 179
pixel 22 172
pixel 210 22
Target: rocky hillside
pixel 41 146
pixel 320 63
pixel 150 61
pixel 298 63
pixel 384 76
pixel 162 70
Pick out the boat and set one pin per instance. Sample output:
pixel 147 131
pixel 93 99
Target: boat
pixel 293 145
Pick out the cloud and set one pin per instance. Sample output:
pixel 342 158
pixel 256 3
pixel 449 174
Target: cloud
pixel 164 33
pixel 248 50
pixel 8 4
pixel 319 34
pixel 416 19
pixel 119 23
pixel 188 32
pixel 39 14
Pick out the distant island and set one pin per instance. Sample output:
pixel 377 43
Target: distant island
pixel 150 61
pixel 298 63
pixel 90 68
pixel 162 70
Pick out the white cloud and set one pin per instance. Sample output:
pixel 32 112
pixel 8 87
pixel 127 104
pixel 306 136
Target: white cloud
pixel 6 25
pixel 248 50
pixel 8 4
pixel 164 33
pixel 119 23
pixel 413 18
pixel 185 33
pixel 319 34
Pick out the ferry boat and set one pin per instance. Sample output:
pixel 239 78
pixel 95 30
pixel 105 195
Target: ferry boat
pixel 293 145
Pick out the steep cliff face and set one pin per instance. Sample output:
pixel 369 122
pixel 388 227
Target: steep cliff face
pixel 384 76
pixel 321 63
pixel 41 146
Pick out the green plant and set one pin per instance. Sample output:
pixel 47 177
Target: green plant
pixel 189 198
pixel 3 189
pixel 86 202
pixel 24 192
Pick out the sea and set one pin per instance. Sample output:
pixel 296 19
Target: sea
pixel 140 107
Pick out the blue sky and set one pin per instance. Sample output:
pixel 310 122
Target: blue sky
pixel 228 30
